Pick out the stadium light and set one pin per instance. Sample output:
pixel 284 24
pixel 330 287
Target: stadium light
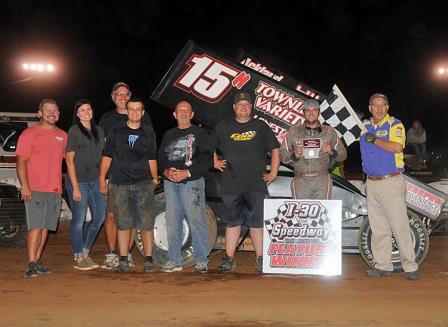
pixel 37 72
pixel 38 67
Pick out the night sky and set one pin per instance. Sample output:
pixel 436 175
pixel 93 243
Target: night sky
pixel 363 46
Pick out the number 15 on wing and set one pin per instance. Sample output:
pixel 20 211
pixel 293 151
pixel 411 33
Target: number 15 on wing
pixel 210 79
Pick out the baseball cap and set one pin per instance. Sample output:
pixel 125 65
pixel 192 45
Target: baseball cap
pixel 120 84
pixel 242 96
pixel 311 103
pixel 378 95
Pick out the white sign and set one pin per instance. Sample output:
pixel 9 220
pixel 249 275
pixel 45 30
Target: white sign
pixel 302 237
pixel 311 148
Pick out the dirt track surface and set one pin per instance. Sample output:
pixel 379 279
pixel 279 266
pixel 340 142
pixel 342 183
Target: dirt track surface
pixel 103 298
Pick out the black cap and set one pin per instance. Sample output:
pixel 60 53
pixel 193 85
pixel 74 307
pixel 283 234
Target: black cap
pixel 242 96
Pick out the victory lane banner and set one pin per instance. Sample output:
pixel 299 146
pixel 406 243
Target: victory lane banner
pixel 335 110
pixel 209 82
pixel 302 237
pixel 273 73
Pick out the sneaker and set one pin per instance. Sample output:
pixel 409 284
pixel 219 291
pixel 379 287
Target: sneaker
pixel 171 267
pixel 110 262
pixel 130 260
pixel 227 264
pixel 123 266
pixel 413 275
pixel 84 264
pixel 42 269
pixel 31 270
pixel 258 264
pixel 374 272
pixel 201 267
pixel 148 266
pixel 92 263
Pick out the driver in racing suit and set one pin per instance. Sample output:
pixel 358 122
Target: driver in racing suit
pixel 312 149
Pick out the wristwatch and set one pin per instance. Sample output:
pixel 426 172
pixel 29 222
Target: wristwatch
pixel 155 181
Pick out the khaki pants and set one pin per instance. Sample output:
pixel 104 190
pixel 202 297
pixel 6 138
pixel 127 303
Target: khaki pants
pixel 386 205
pixel 317 188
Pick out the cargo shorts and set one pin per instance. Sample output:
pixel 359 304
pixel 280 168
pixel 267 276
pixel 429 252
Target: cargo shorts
pixel 43 211
pixel 133 205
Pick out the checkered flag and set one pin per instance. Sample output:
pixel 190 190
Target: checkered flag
pixel 321 222
pixel 337 112
pixel 290 222
pixel 270 223
pixel 280 218
pixel 318 223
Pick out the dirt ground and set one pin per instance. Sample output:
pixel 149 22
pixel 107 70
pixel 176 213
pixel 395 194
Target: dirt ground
pixel 103 298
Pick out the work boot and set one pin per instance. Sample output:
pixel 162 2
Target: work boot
pixel 412 275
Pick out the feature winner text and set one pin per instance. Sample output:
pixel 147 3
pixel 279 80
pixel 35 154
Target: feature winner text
pixel 289 255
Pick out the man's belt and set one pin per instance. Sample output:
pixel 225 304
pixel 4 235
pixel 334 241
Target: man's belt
pixel 315 174
pixel 378 178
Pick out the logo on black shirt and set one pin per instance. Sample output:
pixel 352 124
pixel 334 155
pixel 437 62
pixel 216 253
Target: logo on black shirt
pixel 246 136
pixel 181 149
pixel 132 139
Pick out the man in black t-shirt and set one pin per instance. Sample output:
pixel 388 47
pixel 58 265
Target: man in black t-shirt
pixel 121 94
pixel 242 145
pixel 130 155
pixel 184 159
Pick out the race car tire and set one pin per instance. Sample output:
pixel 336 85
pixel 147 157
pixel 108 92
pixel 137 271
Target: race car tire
pixel 13 235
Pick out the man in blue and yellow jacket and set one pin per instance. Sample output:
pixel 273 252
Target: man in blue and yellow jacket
pixel 382 161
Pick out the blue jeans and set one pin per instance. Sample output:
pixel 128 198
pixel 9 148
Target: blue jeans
pixel 186 200
pixel 96 202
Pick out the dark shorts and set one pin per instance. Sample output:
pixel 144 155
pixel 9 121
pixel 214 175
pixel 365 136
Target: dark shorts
pixel 134 205
pixel 244 209
pixel 43 211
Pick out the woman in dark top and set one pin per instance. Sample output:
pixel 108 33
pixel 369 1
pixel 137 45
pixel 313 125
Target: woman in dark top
pixel 84 150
